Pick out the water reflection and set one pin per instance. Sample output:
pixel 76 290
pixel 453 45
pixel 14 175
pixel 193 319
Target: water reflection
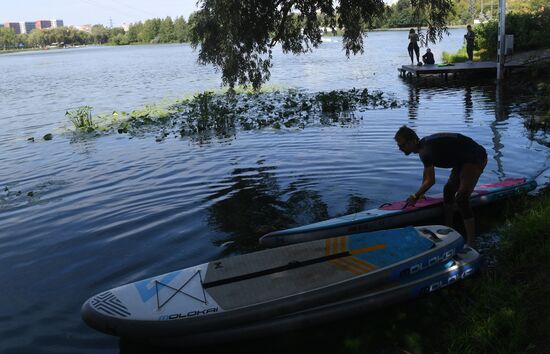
pixel 468 105
pixel 501 115
pixel 253 204
pixel 414 101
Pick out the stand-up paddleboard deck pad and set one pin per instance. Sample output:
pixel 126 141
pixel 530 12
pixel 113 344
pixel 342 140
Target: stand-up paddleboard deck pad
pixel 269 283
pixel 462 265
pixel 391 215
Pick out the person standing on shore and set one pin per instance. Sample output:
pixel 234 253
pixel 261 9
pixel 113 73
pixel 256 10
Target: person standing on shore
pixel 470 37
pixel 413 46
pixel 447 150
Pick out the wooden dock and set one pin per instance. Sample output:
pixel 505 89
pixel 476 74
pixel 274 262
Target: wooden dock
pixel 455 69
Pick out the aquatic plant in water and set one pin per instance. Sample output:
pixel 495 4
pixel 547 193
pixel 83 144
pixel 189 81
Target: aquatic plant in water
pixel 81 118
pixel 209 114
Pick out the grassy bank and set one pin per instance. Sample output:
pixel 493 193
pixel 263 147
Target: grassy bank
pixel 506 310
pixel 502 310
pixel 459 57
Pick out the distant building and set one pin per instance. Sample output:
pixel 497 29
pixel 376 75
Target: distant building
pixel 85 28
pixel 126 27
pixel 56 23
pixel 13 25
pixel 43 24
pixel 26 27
pixel 29 26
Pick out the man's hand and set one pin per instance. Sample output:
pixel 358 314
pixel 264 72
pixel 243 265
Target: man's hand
pixel 411 201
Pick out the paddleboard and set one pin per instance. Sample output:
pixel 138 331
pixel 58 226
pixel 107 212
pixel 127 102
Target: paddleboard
pixel 461 266
pixel 268 283
pixel 395 214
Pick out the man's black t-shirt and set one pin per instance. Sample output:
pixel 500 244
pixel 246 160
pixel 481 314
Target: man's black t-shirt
pixel 450 150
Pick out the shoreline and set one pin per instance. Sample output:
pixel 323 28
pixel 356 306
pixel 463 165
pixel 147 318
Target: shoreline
pixel 11 51
pixel 408 28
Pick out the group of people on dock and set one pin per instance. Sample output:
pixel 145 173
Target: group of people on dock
pixel 428 57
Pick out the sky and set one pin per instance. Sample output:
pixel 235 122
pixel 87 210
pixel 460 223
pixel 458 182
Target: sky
pixel 80 12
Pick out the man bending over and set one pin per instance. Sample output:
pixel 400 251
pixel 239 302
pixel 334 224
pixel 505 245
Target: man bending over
pixel 447 150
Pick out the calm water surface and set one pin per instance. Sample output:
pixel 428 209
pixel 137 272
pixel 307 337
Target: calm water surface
pixel 81 216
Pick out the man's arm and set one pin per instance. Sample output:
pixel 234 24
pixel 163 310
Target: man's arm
pixel 428 180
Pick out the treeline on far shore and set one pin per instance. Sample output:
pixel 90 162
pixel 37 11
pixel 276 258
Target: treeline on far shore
pixel 151 31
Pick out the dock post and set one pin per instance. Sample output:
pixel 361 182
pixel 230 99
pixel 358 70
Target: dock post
pixel 501 51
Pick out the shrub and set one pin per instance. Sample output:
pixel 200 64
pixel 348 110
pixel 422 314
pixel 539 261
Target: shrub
pixel 530 30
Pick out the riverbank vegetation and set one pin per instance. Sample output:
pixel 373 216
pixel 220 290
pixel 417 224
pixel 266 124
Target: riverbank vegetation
pixel 506 310
pixel 531 31
pixel 402 14
pixel 536 112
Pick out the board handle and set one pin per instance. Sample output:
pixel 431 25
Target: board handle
pixel 432 235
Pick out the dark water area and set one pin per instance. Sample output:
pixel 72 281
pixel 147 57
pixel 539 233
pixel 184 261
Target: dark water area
pixel 79 216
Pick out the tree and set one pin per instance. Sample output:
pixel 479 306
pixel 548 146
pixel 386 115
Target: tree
pixel 8 38
pixel 150 30
pixel 37 38
pixel 134 31
pixel 180 30
pixel 100 34
pixel 166 30
pixel 237 36
pixel 401 14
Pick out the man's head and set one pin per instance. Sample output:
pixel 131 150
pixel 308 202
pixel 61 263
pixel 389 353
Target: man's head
pixel 428 50
pixel 469 28
pixel 412 30
pixel 406 140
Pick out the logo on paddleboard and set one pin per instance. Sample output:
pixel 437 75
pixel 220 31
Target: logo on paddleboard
pixel 178 316
pixel 110 304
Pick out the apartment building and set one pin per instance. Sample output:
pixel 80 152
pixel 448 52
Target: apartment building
pixel 43 24
pixel 27 27
pixel 13 25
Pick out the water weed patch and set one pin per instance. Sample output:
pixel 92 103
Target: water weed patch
pixel 210 114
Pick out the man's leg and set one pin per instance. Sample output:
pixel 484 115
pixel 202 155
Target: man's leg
pixel 449 191
pixel 468 179
pixel 470 51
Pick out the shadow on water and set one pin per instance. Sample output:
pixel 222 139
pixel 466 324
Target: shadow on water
pixel 249 207
pixel 253 204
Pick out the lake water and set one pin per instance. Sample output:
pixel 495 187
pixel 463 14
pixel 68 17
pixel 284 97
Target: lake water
pixel 79 216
